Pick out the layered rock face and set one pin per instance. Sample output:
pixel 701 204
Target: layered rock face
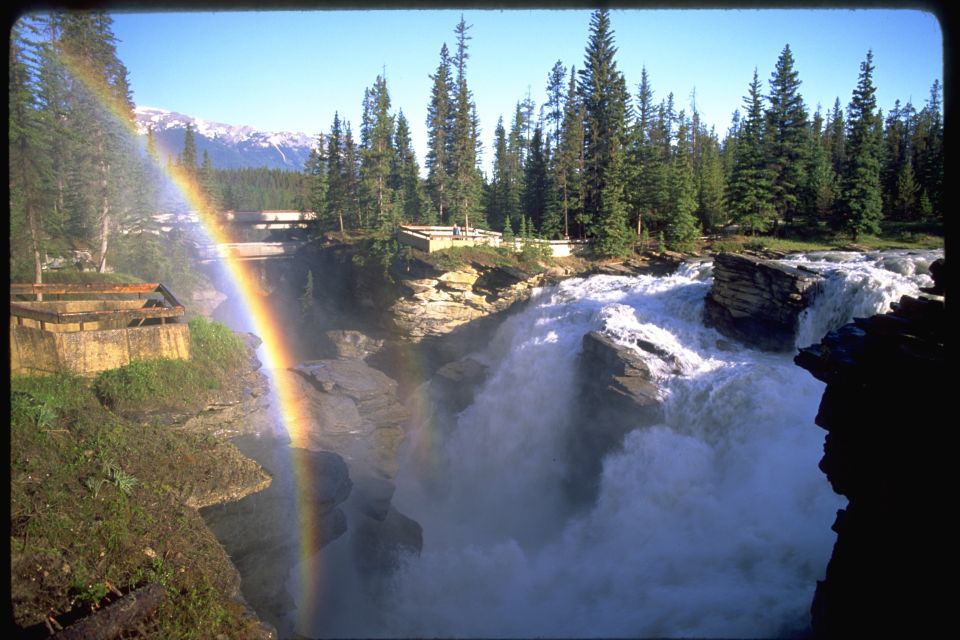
pixel 758 301
pixel 617 395
pixel 884 412
pixel 440 302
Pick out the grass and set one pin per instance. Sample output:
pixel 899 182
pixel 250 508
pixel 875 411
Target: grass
pixel 99 500
pixel 158 384
pixel 826 242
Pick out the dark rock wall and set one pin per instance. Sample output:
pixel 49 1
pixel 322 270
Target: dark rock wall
pixel 758 301
pixel 886 414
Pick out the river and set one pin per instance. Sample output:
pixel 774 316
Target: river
pixel 713 522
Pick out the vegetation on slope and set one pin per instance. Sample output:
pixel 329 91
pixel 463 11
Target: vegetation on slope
pixel 98 498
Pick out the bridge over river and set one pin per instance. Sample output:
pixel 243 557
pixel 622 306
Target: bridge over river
pixel 248 250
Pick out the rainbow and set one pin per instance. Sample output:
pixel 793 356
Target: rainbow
pixel 275 352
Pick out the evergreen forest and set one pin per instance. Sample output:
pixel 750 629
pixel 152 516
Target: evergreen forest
pixel 599 159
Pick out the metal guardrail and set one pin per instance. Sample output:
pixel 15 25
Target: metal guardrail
pixel 169 306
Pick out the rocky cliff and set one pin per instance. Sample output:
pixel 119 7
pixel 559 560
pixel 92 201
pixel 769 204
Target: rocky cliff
pixel 758 301
pixel 347 420
pixel 884 412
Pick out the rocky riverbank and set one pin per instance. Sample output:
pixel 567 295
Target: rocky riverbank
pixel 884 411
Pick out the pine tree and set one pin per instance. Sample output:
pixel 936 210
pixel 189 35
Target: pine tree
pixel 710 183
pixel 29 169
pixel 818 191
pixel 98 112
pixel 414 203
pixel 603 91
pixel 552 224
pixel 535 186
pixel 315 170
pixel 497 201
pixel 929 154
pixel 306 298
pixel 466 183
pixel 439 130
pixel 748 192
pixel 208 182
pixel 613 236
pixel 554 107
pixel 336 200
pixel 569 163
pixel 682 226
pixel 351 178
pixel 188 157
pixel 377 152
pixel 786 137
pixel 860 207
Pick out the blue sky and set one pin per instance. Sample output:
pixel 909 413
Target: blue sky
pixel 289 71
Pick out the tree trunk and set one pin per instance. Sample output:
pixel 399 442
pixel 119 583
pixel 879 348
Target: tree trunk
pixel 104 218
pixel 35 241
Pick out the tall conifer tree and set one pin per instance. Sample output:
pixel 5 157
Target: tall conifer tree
pixel 603 91
pixel 861 204
pixel 748 192
pixel 786 137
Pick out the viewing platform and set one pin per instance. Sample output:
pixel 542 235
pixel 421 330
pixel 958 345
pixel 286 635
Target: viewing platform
pixel 88 328
pixel 437 238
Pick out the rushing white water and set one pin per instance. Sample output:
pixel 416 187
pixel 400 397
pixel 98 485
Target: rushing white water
pixel 714 523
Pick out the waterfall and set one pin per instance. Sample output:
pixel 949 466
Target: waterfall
pixel 715 522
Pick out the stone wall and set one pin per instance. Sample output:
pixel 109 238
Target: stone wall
pixel 758 301
pixel 886 415
pixel 37 352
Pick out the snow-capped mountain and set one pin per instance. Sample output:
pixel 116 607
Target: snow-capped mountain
pixel 229 146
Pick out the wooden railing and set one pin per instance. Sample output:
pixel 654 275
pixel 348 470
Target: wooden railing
pixel 162 308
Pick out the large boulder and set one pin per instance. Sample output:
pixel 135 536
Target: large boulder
pixel 758 301
pixel 618 394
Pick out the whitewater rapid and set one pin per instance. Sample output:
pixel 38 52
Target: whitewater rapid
pixel 715 522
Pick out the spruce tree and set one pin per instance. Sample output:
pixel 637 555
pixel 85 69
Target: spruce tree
pixel 188 156
pixel 748 192
pixel 351 179
pixel 569 162
pixel 644 171
pixel 929 154
pixel 336 200
pixel 208 182
pixel 860 208
pixel 820 182
pixel 29 169
pixel 554 107
pixel 98 113
pixel 497 202
pixel 785 137
pixel 465 181
pixel 710 183
pixel 682 227
pixel 376 153
pixel 534 197
pixel 603 91
pixel 439 131
pixel 415 205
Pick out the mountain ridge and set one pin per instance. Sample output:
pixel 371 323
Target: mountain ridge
pixel 228 146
